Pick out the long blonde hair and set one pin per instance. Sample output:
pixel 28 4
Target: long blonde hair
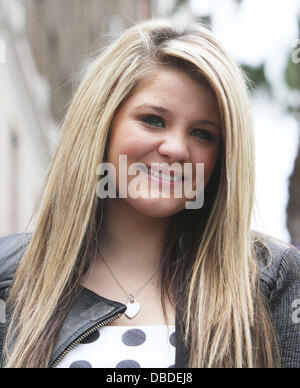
pixel 209 267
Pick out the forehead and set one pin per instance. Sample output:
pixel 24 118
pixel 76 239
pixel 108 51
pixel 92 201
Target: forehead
pixel 165 78
pixel 177 91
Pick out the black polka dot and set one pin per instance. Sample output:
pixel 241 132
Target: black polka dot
pixel 81 364
pixel 128 364
pixel 91 338
pixel 172 339
pixel 134 337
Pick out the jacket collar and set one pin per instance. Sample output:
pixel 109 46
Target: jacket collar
pixel 89 310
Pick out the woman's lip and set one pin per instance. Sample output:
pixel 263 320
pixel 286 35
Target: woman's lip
pixel 171 172
pixel 163 181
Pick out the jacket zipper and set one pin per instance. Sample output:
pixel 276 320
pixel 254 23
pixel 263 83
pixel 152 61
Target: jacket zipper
pixel 83 336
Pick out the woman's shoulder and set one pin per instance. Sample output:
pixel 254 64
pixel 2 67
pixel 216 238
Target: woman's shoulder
pixel 280 284
pixel 12 248
pixel 279 262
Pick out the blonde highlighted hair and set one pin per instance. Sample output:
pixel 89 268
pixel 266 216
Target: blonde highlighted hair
pixel 209 266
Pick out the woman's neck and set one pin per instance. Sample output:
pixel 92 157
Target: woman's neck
pixel 130 239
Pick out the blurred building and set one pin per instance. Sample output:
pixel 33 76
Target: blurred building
pixel 46 44
pixel 26 124
pixel 63 34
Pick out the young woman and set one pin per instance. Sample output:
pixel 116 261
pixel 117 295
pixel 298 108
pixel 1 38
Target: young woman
pixel 145 281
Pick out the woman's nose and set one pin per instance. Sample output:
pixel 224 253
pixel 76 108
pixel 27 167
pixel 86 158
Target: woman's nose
pixel 175 147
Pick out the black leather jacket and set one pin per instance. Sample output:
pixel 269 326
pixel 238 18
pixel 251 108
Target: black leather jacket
pixel 280 283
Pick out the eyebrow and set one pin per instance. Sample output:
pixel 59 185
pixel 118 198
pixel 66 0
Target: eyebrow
pixel 161 109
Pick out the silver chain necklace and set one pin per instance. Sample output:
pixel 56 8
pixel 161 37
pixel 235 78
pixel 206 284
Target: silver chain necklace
pixel 133 307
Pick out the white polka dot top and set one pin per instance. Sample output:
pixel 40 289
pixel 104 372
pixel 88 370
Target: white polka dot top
pixel 124 347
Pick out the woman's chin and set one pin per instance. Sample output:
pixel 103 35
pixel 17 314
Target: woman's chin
pixel 157 207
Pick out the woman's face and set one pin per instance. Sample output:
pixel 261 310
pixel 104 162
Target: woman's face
pixel 169 118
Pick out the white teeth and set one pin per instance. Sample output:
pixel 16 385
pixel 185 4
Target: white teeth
pixel 159 174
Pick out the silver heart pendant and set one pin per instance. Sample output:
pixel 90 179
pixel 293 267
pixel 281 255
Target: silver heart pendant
pixel 133 308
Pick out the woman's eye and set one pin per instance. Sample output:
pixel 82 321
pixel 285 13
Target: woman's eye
pixel 203 134
pixel 156 121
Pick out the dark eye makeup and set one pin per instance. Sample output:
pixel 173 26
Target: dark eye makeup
pixel 157 121
pixel 204 134
pixel 154 120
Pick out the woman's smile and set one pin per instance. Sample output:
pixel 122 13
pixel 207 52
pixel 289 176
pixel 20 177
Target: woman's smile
pixel 164 177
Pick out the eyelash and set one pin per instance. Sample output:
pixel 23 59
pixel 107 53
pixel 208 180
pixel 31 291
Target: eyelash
pixel 150 119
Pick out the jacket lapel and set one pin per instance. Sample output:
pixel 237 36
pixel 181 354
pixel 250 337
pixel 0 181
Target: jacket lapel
pixel 90 309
